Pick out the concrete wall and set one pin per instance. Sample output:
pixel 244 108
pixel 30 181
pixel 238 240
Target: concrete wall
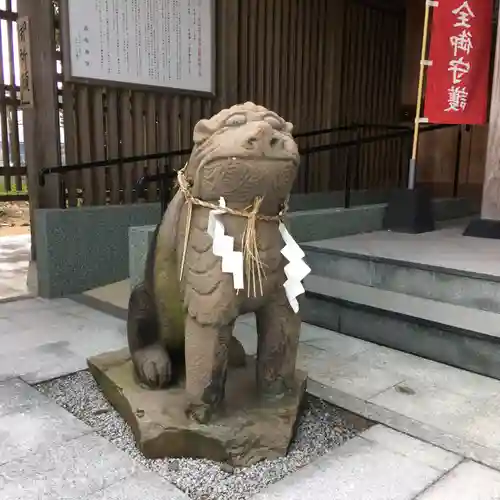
pixel 83 248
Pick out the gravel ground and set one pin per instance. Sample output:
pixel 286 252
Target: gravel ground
pixel 321 428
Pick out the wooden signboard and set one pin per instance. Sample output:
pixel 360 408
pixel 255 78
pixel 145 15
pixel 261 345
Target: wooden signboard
pixel 26 79
pixel 147 43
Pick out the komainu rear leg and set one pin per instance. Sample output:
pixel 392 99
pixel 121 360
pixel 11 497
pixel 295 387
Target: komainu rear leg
pixel 151 360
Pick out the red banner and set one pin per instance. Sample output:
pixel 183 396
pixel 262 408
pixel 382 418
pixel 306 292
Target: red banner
pixel 458 79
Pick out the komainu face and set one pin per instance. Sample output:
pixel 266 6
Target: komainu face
pixel 241 153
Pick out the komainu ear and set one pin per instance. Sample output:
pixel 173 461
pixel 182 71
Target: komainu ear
pixel 289 127
pixel 202 131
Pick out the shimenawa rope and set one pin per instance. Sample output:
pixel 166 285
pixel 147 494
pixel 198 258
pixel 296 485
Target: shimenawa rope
pixel 254 267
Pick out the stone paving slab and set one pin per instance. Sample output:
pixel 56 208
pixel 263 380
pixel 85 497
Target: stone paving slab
pixel 44 339
pixel 75 468
pixel 46 453
pixel 359 470
pixel 17 396
pixel 468 481
pixel 453 409
pixel 15 253
pixel 417 450
pixel 140 486
pixel 27 431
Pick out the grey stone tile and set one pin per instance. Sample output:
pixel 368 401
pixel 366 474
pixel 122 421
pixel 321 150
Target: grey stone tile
pixel 16 395
pixel 339 345
pixel 95 339
pixel 25 432
pixel 419 370
pixel 52 343
pixel 348 375
pixel 58 321
pixel 410 447
pixel 482 425
pixel 22 306
pixel 310 357
pixel 428 403
pixel 359 470
pixel 141 486
pixel 310 333
pixel 78 309
pixel 43 362
pixel 468 481
pixel 448 439
pixel 74 469
pixel 6 327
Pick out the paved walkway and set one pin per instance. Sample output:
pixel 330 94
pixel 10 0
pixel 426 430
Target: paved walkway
pixel 14 261
pixel 46 453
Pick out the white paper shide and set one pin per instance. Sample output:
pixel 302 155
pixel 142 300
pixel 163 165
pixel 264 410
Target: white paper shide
pixel 232 262
pixel 296 269
pixel 223 247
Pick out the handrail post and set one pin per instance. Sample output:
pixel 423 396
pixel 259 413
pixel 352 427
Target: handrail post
pixel 306 174
pixel 347 181
pixel 62 193
pixel 406 147
pixel 163 191
pixel 358 160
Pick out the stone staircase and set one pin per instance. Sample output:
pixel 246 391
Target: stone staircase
pixel 436 295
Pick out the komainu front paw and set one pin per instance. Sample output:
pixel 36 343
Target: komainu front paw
pixel 153 366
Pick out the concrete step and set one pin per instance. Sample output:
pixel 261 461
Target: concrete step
pixel 455 335
pixel 456 281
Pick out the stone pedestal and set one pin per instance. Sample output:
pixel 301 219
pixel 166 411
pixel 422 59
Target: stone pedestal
pixel 409 211
pixel 247 429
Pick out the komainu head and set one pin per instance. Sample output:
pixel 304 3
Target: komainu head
pixel 241 153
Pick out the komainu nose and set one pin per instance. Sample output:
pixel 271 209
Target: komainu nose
pixel 262 140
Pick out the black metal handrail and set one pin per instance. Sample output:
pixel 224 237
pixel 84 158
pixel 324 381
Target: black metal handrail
pixel 354 145
pixel 62 169
pixel 166 178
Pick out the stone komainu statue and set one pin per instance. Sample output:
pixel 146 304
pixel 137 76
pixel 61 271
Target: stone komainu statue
pixel 244 162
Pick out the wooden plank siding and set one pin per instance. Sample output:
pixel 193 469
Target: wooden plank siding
pixel 12 159
pixel 318 63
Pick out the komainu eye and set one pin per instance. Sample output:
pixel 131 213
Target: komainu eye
pixel 274 122
pixel 236 120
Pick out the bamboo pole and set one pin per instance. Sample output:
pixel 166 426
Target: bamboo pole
pixel 420 91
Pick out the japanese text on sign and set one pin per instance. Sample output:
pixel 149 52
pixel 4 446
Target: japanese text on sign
pixel 159 43
pixel 460 65
pixel 458 79
pixel 26 84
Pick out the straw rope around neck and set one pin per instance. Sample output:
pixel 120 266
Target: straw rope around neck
pixel 254 267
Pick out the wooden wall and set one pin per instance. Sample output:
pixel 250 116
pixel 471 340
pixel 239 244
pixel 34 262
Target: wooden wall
pixel 319 63
pixel 12 165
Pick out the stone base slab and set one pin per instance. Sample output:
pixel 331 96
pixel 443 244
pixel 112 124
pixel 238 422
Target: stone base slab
pixel 247 429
